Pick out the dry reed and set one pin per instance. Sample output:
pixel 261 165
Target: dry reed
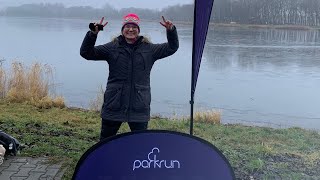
pixel 3 81
pixel 96 104
pixel 210 116
pixel 30 85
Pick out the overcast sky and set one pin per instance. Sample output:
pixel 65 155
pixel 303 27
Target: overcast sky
pixel 152 4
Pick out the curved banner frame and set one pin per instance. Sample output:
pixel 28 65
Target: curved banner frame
pixel 153 155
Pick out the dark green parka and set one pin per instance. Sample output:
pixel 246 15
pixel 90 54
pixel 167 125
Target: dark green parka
pixel 127 96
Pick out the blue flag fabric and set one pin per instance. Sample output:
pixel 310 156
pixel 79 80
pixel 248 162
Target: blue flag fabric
pixel 202 13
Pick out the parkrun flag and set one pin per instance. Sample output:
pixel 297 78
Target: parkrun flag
pixel 202 13
pixel 153 155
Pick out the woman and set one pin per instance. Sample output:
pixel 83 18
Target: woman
pixel 130 57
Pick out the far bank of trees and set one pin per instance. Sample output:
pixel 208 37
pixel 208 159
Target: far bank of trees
pixel 277 12
pixel 87 12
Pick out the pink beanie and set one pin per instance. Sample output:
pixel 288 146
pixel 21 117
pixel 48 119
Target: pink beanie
pixel 131 19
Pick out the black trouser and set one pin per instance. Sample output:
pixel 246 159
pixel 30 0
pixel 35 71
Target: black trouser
pixel 110 128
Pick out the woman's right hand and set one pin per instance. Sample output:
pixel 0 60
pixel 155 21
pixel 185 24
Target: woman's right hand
pixel 96 27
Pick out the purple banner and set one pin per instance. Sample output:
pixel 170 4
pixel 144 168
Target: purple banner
pixel 153 155
pixel 202 13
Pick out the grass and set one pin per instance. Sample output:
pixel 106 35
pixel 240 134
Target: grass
pixel 262 153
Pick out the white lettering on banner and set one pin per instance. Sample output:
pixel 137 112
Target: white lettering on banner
pixel 152 162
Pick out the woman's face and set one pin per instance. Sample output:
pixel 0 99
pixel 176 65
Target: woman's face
pixel 130 31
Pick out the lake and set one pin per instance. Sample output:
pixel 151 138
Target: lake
pixel 262 77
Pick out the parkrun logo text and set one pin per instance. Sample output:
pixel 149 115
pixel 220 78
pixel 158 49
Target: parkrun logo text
pixel 153 162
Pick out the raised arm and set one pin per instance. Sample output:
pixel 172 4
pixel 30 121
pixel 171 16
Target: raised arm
pixel 89 51
pixel 166 49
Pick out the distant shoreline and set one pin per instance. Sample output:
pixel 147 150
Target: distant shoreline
pixel 289 27
pixel 233 25
pixel 260 26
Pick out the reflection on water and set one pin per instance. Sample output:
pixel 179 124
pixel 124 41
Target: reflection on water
pixel 39 24
pixel 260 48
pixel 221 57
pixel 291 37
pixel 267 77
pixel 274 37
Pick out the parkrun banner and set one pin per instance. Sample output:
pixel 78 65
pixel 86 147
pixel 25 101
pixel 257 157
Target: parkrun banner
pixel 153 155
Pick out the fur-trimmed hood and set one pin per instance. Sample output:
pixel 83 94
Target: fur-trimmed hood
pixel 143 40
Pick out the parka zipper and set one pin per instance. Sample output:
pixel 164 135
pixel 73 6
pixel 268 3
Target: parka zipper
pixel 131 84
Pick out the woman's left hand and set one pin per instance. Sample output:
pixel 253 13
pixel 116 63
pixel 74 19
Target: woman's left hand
pixel 167 24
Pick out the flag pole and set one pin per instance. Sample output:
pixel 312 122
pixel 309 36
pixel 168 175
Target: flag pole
pixel 192 71
pixel 191 115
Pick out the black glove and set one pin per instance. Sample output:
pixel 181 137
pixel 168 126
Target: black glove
pixel 92 27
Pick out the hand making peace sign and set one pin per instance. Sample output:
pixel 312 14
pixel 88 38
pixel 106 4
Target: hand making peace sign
pixel 167 24
pixel 97 28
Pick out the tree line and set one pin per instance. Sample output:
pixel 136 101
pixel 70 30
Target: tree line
pixel 58 10
pixel 277 12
